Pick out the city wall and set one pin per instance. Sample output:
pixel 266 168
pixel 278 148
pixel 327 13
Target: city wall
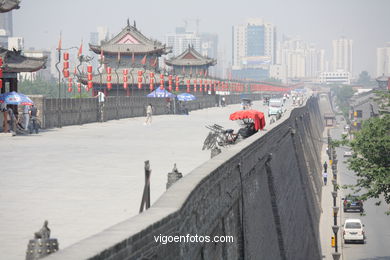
pixel 73 111
pixel 264 191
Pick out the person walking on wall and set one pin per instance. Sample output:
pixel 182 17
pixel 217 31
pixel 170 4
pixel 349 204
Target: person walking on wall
pixel 325 167
pixel 149 113
pixel 26 116
pixel 325 175
pixel 34 114
pixel 101 98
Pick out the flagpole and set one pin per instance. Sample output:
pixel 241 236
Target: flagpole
pixel 59 82
pixel 117 86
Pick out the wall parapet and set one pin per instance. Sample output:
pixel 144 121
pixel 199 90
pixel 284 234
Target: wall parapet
pixel 262 191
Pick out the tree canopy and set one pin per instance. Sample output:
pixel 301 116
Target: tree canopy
pixel 371 158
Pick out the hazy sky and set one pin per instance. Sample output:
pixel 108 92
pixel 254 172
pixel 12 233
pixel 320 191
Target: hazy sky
pixel 366 22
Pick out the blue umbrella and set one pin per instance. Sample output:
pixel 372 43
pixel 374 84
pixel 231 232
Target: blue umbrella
pixel 161 93
pixel 186 97
pixel 14 98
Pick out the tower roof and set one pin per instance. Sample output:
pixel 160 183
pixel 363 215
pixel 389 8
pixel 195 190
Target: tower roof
pixel 131 40
pixel 8 5
pixel 13 61
pixel 190 57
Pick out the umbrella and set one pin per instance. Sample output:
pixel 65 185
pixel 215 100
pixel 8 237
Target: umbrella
pixel 186 97
pixel 14 98
pixel 257 116
pixel 161 93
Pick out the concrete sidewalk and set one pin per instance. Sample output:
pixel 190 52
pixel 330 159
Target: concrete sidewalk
pixel 326 219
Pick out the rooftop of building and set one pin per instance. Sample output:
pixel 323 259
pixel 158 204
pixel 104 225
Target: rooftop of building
pixel 14 62
pixel 130 40
pixel 190 57
pixel 8 5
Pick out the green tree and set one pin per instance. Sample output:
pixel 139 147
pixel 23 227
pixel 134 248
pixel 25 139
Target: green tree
pixel 371 158
pixel 39 87
pixel 343 95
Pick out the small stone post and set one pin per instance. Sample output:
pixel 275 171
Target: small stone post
pixel 42 245
pixel 173 176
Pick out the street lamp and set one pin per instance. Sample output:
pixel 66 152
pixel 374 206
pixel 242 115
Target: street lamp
pixel 336 256
pixel 335 230
pixel 334 195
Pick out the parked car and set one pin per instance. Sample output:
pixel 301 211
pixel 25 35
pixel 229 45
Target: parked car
pixel 352 202
pixel 353 231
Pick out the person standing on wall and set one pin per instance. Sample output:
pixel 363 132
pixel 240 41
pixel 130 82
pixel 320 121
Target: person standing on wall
pixel 26 116
pixel 149 113
pixel 325 175
pixel 325 167
pixel 34 114
pixel 101 98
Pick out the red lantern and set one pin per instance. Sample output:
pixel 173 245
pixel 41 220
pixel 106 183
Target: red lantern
pixel 125 71
pixel 109 78
pixel 90 85
pixel 170 82
pixel 1 83
pixel 70 89
pixel 125 85
pixel 161 81
pixel 151 76
pixel 89 76
pixel 66 64
pixel 1 61
pixel 66 55
pixel 1 73
pixel 201 86
pixel 194 85
pixel 66 73
pixel 177 81
pixel 109 85
pixel 108 69
pixel 188 85
pixel 79 87
pixel 89 68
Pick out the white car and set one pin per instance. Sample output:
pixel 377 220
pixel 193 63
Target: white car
pixel 347 153
pixel 353 231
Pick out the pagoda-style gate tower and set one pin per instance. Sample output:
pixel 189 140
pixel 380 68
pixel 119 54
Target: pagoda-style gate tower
pixel 191 62
pixel 13 63
pixel 123 58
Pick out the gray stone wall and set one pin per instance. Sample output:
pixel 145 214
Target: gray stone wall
pixel 264 191
pixel 73 111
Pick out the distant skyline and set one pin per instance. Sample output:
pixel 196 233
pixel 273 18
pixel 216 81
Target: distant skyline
pixel 314 21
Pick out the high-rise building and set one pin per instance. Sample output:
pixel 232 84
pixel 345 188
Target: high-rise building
pixel 103 34
pixel 180 40
pixel 299 59
pixel 342 55
pixel 6 23
pixel 383 61
pixel 254 49
pixel 204 43
pixel 15 43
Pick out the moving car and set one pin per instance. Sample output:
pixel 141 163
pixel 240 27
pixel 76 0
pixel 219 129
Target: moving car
pixel 353 231
pixel 352 203
pixel 275 106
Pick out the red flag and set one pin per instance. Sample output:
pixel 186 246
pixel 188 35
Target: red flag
pixel 143 61
pixel 154 64
pixel 80 49
pixel 60 42
pixel 132 58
